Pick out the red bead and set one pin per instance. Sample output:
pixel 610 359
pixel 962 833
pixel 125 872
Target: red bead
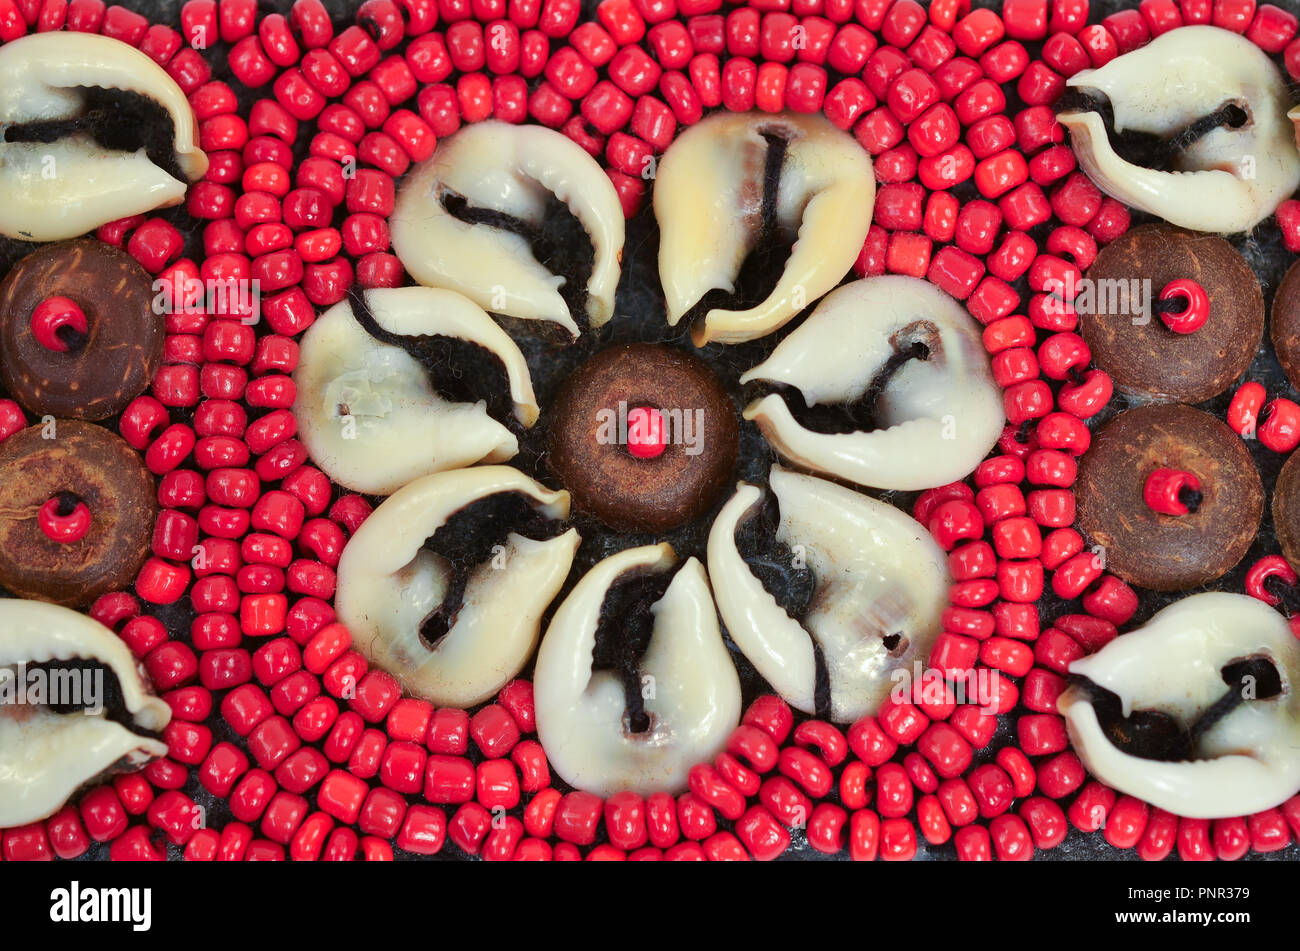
pixel 1231 839
pixel 864 835
pixel 998 174
pixel 908 253
pixel 1045 821
pixel 1088 397
pixel 423 831
pixel 1099 43
pixel 1244 410
pixel 625 820
pixel 940 219
pixel 1111 222
pixel 1280 429
pixel 932 49
pixel 935 131
pixel 1235 15
pixel 828 741
pixel 929 501
pixel 1172 491
pixel 1270 566
pixel 1060 776
pixel 1196 312
pixel 1011 364
pixel 911 94
pixel 12 418
pixel 1112 600
pixel 878 131
pixel 953 654
pixel 277 40
pixel 761 834
pixel 972 560
pixel 622 20
pixel 1268 831
pixel 577 818
pixel 1009 656
pixel 1065 54
pixel 948 169
pixel 779 796
pixel 805 88
pixel 903 22
pixel 1025 206
pixel 558 17
pixel 953 521
pixel 851 47
pixel 946 749
pixel 1272 29
pixel 708 785
pixel 298 96
pixel 990 136
pixel 65 518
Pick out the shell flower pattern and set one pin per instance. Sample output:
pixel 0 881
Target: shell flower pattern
pixel 650 430
pixel 447 584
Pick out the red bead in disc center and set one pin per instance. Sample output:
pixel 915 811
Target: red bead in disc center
pixel 647 437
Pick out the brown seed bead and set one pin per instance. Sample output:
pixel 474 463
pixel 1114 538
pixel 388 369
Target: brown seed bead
pixel 124 343
pixel 103 472
pixel 1166 552
pixel 1284 323
pixel 610 483
pixel 1286 509
pixel 1148 359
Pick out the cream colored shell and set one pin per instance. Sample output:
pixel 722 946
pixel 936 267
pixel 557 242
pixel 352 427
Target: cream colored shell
pixel 708 198
pixel 1249 760
pixel 1227 181
pixel 691 688
pixel 939 417
pixel 65 188
pixel 366 410
pixel 46 756
pixel 878 574
pixel 388 583
pixel 512 169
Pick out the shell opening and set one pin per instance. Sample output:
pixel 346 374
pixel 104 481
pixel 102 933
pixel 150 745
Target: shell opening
pixel 772 242
pixel 623 635
pixel 1157 152
pixel 470 540
pixel 859 415
pixel 561 243
pixel 458 370
pixel 1154 734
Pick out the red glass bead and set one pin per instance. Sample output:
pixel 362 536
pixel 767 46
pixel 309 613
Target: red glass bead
pixel 1196 312
pixel 1280 429
pixel 977 31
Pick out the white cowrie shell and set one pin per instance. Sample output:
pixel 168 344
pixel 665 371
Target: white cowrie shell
pixel 389 582
pixel 878 574
pixel 1227 181
pixel 939 416
pixel 696 698
pixel 1249 760
pixel 46 756
pixel 512 169
pixel 62 189
pixel 367 411
pixel 708 198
